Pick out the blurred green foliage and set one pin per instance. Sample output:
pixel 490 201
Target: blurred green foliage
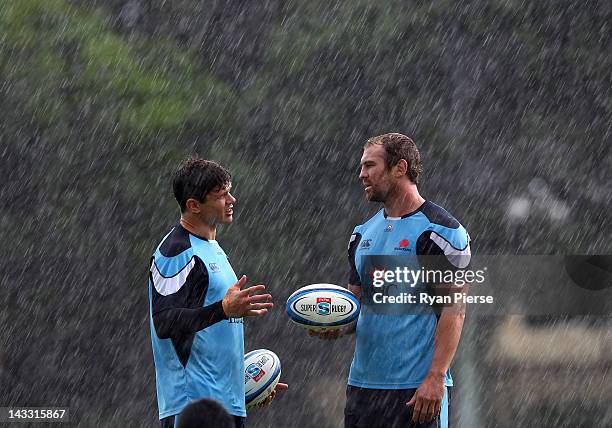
pixel 135 84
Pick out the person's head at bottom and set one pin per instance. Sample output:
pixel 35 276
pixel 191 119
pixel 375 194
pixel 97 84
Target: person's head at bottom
pixel 205 413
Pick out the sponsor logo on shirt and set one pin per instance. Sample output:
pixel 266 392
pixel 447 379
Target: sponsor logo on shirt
pixel 404 245
pixel 389 228
pixel 214 267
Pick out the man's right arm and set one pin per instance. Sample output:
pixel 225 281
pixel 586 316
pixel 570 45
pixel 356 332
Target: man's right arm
pixel 178 321
pixel 352 328
pixel 356 290
pixel 354 287
pixel 177 301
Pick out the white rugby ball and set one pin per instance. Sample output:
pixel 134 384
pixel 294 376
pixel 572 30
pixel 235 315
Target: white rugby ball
pixel 262 370
pixel 322 306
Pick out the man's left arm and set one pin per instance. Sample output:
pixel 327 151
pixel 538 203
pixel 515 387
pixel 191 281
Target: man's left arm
pixel 427 400
pixel 448 332
pixel 444 252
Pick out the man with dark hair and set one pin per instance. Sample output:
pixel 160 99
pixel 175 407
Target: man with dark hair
pixel 197 302
pixel 205 413
pixel 400 374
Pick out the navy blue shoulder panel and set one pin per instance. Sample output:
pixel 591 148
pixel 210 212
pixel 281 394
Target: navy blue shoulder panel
pixel 354 278
pixel 438 215
pixel 176 242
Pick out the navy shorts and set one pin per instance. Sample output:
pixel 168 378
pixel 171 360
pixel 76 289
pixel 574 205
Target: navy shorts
pixel 386 408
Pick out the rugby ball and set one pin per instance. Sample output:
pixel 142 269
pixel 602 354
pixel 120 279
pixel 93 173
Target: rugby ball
pixel 262 370
pixel 322 306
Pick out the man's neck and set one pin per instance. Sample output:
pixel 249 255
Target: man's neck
pixel 198 228
pixel 403 200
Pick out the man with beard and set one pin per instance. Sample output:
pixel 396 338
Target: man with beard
pixel 400 374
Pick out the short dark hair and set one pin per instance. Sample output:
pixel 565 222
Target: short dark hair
pixel 398 147
pixel 205 413
pixel 196 177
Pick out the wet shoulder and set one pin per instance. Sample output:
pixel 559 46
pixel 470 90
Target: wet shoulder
pixel 176 242
pixel 174 253
pixel 438 215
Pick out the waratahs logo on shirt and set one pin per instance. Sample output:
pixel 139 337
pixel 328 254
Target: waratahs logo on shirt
pixel 323 305
pixel 255 372
pixel 404 245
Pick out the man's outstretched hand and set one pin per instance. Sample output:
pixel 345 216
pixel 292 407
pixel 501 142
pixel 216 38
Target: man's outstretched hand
pixel 240 302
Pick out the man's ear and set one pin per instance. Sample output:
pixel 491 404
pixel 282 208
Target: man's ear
pixel 192 205
pixel 401 168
